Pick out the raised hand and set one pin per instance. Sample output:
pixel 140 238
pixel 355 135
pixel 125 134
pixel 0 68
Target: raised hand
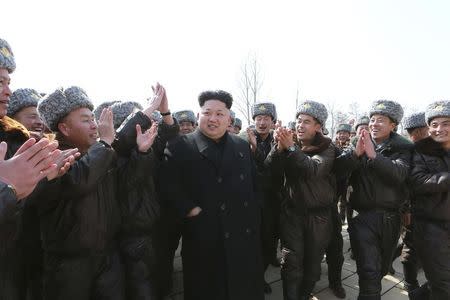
pixel 63 163
pixel 369 147
pixel 105 124
pixel 144 140
pixel 155 100
pixel 31 163
pixel 359 148
pixel 285 138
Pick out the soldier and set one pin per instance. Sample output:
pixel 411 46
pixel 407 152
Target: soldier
pixel 417 129
pixel 212 187
pixel 79 212
pixel 261 139
pixel 343 142
pixel 230 128
pixel 310 192
pixel 237 125
pixel 362 124
pixel 23 108
pixel 186 120
pixel 141 154
pixel 431 203
pixel 379 166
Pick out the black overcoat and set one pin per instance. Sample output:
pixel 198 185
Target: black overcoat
pixel 221 246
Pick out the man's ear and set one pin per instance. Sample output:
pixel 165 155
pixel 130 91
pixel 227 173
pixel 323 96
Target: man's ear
pixel 63 128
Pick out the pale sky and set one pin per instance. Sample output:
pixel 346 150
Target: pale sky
pixel 340 51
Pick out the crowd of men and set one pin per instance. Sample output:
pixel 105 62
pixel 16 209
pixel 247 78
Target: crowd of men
pixel 94 202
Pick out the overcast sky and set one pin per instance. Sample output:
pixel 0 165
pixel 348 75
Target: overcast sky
pixel 340 51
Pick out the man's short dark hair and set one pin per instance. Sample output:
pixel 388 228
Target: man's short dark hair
pixel 219 95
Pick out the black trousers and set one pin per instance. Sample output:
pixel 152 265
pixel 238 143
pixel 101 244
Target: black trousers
pixel 334 251
pixel 409 258
pixel 433 248
pixel 270 228
pixel 140 263
pixel 373 238
pixel 12 275
pixel 303 241
pixel 96 277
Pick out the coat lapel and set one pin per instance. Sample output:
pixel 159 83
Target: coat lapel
pixel 204 147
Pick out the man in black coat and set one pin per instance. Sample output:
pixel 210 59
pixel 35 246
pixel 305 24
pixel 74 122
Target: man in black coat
pixel 306 211
pixel 260 139
pixel 210 177
pixel 380 167
pixel 430 178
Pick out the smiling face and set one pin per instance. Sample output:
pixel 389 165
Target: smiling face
pixel 214 119
pixel 29 117
pixel 79 128
pixel 5 92
pixel 307 127
pixel 380 128
pixel 440 131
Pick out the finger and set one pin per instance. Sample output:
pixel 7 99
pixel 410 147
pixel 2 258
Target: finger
pixel 3 149
pixel 47 161
pixel 138 130
pixel 26 146
pixel 44 153
pixel 42 174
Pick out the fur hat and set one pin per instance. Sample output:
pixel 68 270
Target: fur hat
pixel 238 123
pixel 388 108
pixel 121 110
pixel 344 127
pixel 233 116
pixel 22 98
pixel 98 110
pixel 264 108
pixel 156 117
pixel 437 109
pixel 6 57
pixel 185 116
pixel 364 120
pixel 60 103
pixel 415 120
pixel 291 125
pixel 314 109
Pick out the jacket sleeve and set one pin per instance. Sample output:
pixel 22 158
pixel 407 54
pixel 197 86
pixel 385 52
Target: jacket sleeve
pixel 135 168
pixel 298 164
pixel 9 206
pixel 347 162
pixel 395 171
pixel 174 180
pixel 89 169
pixel 165 133
pixel 424 182
pixel 125 140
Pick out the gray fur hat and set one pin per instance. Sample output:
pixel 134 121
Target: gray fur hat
pixel 238 123
pixel 121 110
pixel 22 98
pixel 6 57
pixel 264 108
pixel 314 109
pixel 60 103
pixel 156 116
pixel 364 120
pixel 437 109
pixel 388 108
pixel 98 110
pixel 291 125
pixel 233 116
pixel 185 116
pixel 344 127
pixel 415 120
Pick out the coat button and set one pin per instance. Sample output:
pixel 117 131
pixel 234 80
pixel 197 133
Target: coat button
pixel 241 154
pixel 245 203
pixel 223 207
pixel 219 180
pixel 248 230
pixel 227 235
pixel 241 176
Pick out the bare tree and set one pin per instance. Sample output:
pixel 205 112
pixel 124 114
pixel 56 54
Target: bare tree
pixel 250 86
pixel 335 117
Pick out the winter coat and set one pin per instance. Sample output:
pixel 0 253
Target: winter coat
pixel 79 212
pixel 379 183
pixel 430 181
pixel 309 182
pixel 221 246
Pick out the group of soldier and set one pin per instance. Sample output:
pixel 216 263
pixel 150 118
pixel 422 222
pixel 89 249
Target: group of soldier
pixel 94 202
